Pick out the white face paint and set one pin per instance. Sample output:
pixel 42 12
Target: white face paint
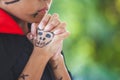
pixel 43 38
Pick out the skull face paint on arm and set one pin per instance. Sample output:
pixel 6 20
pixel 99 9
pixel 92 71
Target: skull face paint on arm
pixel 43 38
pixel 11 2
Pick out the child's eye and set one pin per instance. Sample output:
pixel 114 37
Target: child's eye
pixel 10 2
pixel 34 15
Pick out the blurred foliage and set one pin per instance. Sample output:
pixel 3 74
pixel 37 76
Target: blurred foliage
pixel 92 51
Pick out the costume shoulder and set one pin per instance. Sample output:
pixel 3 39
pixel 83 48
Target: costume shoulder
pixel 12 47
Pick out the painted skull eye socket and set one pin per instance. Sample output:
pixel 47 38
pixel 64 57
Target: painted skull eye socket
pixel 48 35
pixel 40 33
pixel 44 39
pixel 40 38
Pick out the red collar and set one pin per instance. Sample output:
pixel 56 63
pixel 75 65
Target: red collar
pixel 8 25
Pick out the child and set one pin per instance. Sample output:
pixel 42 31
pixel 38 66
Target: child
pixel 21 57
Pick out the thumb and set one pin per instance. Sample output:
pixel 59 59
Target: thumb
pixel 34 27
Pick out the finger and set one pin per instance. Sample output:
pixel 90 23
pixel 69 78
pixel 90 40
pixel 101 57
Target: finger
pixel 30 37
pixel 55 15
pixel 34 28
pixel 44 21
pixel 60 28
pixel 54 21
pixel 52 25
pixel 61 36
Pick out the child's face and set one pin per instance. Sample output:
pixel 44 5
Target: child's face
pixel 26 10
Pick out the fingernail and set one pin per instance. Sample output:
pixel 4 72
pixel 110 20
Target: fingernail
pixel 33 29
pixel 47 28
pixel 32 24
pixel 31 37
pixel 40 25
pixel 57 32
pixel 35 37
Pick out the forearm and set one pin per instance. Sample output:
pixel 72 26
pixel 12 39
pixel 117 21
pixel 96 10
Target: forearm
pixel 59 69
pixel 35 67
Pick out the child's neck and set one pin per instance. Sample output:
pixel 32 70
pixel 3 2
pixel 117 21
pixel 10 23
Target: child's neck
pixel 22 24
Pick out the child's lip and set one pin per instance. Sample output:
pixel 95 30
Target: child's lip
pixel 43 9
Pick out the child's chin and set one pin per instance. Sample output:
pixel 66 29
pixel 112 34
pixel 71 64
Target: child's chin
pixel 37 20
pixel 34 21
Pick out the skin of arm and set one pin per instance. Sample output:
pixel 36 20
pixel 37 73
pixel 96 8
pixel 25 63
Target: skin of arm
pixel 35 66
pixel 59 68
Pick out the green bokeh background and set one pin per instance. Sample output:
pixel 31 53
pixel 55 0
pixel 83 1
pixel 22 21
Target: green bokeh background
pixel 92 51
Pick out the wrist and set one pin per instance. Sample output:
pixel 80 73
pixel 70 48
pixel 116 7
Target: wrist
pixel 57 61
pixel 38 52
